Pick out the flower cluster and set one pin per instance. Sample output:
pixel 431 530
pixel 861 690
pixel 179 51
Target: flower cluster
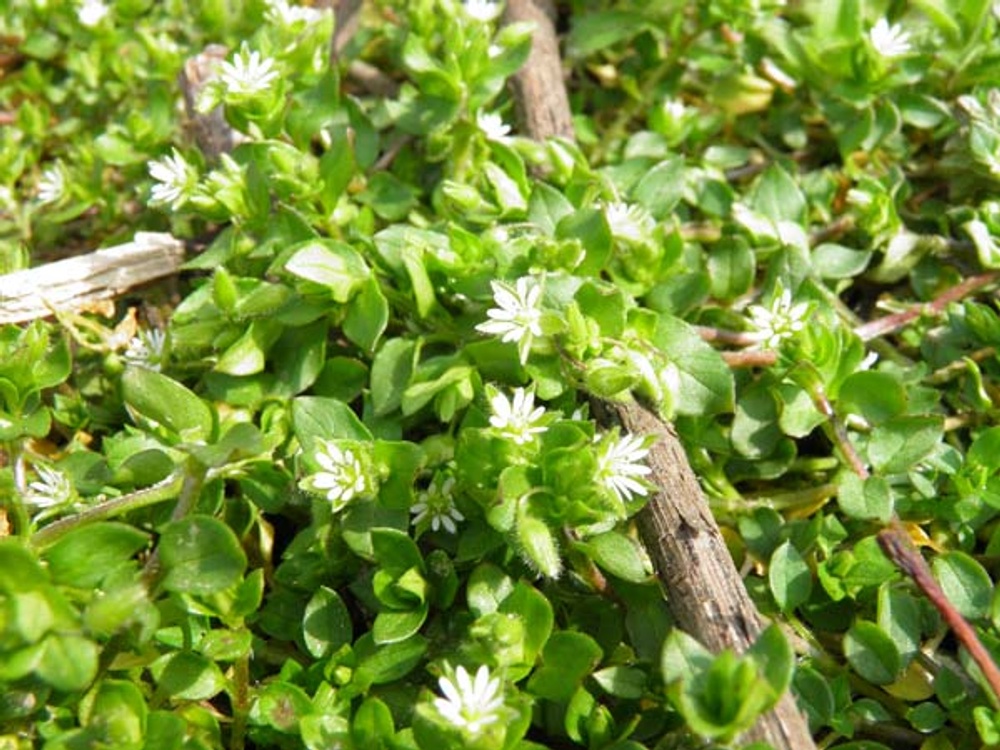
pixel 147 349
pixel 52 489
pixel 342 476
pixel 518 419
pixel 628 222
pixel 470 704
pixel 889 40
pixel 781 320
pixel 248 74
pixel 620 467
pixel 436 506
pixel 176 181
pixel 517 315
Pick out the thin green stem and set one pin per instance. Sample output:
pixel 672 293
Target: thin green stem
pixel 241 702
pixel 157 493
pixel 22 522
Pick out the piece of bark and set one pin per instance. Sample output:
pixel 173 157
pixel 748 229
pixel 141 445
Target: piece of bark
pixel 84 280
pixel 538 87
pixel 705 592
pixel 210 130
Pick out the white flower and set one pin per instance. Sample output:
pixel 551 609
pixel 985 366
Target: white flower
pixel 52 488
pixel 779 321
pixel 437 505
pixel 248 73
pixel 342 478
pixel 92 12
pixel 517 419
pixel 889 41
pixel 146 349
pixel 628 222
pixel 52 185
pixel 176 178
pixel 470 704
pixel 674 108
pixel 620 467
pixel 493 126
pixel 283 13
pixel 517 315
pixel 495 50
pixel 483 11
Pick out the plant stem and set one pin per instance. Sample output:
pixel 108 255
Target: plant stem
pixel 897 547
pixel 157 493
pixel 241 687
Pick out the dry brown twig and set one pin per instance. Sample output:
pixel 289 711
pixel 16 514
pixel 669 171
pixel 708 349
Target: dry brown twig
pixel 704 588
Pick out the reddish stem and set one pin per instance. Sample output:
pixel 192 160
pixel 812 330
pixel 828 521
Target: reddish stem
pixel 897 547
pixel 892 323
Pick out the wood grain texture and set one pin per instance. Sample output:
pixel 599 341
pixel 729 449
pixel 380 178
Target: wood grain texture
pixel 83 280
pixel 538 88
pixel 704 590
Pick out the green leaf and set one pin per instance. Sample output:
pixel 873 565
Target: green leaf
pixel 619 555
pixel 755 432
pixel 395 551
pixel 281 706
pixel 395 626
pixel 777 196
pixel 775 659
pixel 789 577
pixel 899 615
pixel 391 371
pixel 568 657
pixel 200 555
pixel 317 418
pixel 965 582
pixel 832 261
pixel 535 611
pixel 900 443
pixel 378 665
pixel 595 31
pixel 537 542
pixel 621 681
pixel 155 399
pixel 486 589
pixel 67 661
pixel 731 266
pixel 872 653
pixel 866 499
pixel 661 187
pixel 84 556
pixel 705 382
pixel 326 623
pixel 334 265
pixel 372 726
pixel 367 315
pixel 876 396
pixel 117 710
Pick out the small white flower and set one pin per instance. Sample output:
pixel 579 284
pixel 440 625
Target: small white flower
pixel 889 40
pixel 52 488
pixel 437 505
pixel 674 108
pixel 620 467
pixel 283 13
pixel 248 73
pixel 517 419
pixel 517 315
pixel 493 126
pixel 495 50
pixel 146 349
pixel 92 12
pixel 779 321
pixel 628 222
pixel 342 478
pixel 470 704
pixel 52 185
pixel 483 11
pixel 176 181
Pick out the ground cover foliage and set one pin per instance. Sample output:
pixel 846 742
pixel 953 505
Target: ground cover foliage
pixel 339 486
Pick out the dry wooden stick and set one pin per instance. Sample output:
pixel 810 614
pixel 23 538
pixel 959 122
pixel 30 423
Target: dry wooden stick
pixel 84 280
pixel 704 589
